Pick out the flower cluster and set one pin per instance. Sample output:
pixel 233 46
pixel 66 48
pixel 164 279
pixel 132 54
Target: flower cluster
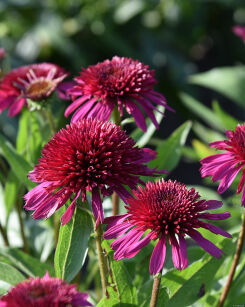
pixel 88 155
pixel 167 210
pixel 44 292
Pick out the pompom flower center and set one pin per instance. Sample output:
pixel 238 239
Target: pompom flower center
pixel 118 77
pixel 165 208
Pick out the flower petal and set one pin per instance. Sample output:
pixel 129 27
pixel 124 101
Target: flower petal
pixel 158 256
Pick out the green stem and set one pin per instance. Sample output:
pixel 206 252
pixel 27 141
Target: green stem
pixel 234 264
pixel 116 116
pixel 102 258
pixel 4 235
pixel 50 120
pixel 155 290
pixel 18 206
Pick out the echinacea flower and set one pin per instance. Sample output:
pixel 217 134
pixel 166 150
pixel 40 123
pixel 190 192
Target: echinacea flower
pixel 121 82
pixel 239 31
pixel 226 166
pixel 165 209
pixel 35 82
pixel 88 155
pixel 44 292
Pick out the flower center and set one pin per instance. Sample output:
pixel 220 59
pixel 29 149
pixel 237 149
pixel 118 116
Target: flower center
pixel 38 292
pixel 38 89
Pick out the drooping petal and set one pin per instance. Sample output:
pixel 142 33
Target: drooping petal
pixel 183 252
pixel 70 211
pixel 158 256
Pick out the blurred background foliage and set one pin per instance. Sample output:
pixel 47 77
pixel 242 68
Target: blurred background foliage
pixel 177 38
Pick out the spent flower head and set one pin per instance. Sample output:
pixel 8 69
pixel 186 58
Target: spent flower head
pixel 165 209
pixel 35 82
pixel 44 292
pixel 88 155
pixel 120 82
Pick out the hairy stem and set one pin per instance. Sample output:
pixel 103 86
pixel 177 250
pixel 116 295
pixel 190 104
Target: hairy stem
pixel 4 235
pixel 102 258
pixel 155 290
pixel 234 263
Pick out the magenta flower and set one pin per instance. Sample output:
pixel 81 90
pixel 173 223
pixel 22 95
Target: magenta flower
pixel 239 31
pixel 35 82
pixel 120 82
pixel 88 155
pixel 165 209
pixel 44 292
pixel 2 53
pixel 225 166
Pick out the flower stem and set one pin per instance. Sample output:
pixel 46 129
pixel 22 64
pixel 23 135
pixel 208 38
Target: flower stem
pixel 235 262
pixel 50 120
pixel 18 205
pixel 102 258
pixel 115 198
pixel 155 290
pixel 4 235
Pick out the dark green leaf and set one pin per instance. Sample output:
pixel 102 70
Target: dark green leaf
pixel 18 164
pixel 11 191
pixel 9 274
pixel 228 81
pixel 72 246
pixel 26 263
pixel 23 132
pixel 189 285
pixel 123 285
pixel 169 152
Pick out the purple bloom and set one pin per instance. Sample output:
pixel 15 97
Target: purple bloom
pixel 225 166
pixel 35 82
pixel 120 82
pixel 239 31
pixel 88 155
pixel 167 210
pixel 44 292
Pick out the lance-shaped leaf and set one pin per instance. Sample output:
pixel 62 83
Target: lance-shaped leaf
pixel 72 245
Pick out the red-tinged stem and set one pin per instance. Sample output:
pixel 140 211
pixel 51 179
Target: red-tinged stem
pixel 235 262
pixel 155 290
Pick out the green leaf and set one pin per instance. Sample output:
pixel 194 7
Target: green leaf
pixel 9 274
pixel 201 111
pixel 35 139
pixel 123 285
pixel 142 137
pixel 11 192
pixel 17 163
pixel 226 119
pixel 72 245
pixel 26 263
pixel 23 131
pixel 169 151
pixel 228 81
pixel 189 285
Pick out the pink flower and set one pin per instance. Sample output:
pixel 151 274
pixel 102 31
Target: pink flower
pixel 36 82
pixel 88 155
pixel 165 209
pixel 120 82
pixel 239 31
pixel 225 166
pixel 2 53
pixel 44 292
